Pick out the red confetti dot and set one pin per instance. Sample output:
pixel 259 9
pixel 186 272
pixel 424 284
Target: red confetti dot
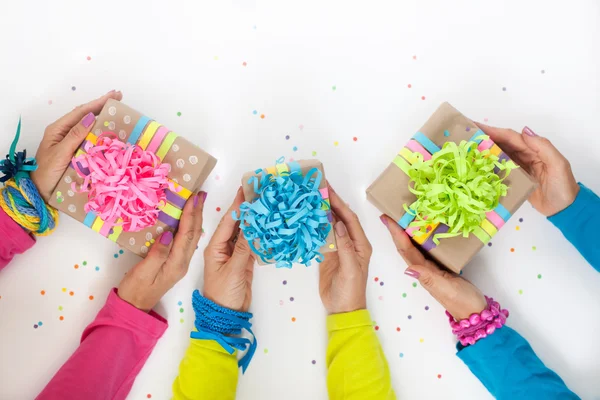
pixel 91 297
pixel 293 319
pixel 439 376
pixel 43 292
pixel 414 57
pixel 89 58
pixel 244 63
pixel 149 396
pixel 422 97
pixel 61 318
pixel 398 329
pixel 409 85
pixel 355 138
pixel 376 279
pixel 376 327
pixel 76 266
pixel 512 250
pixel 49 102
pixel 218 209
pixel 71 293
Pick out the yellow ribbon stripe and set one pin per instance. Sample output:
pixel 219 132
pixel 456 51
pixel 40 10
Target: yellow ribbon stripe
pixel 409 155
pixel 166 145
pixel 171 210
pixel 180 190
pixel 420 239
pixel 282 168
pixel 489 228
pixel 148 134
pixel 93 139
pixel 117 229
pixel 495 150
pixel 271 170
pixel 97 225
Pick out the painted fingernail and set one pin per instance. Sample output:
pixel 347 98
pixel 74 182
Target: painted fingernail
pixel 384 220
pixel 529 132
pixel 196 198
pixel 412 273
pixel 88 120
pixel 204 195
pixel 166 238
pixel 340 229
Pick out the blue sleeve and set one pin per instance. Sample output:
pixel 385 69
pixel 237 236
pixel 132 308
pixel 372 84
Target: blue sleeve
pixel 579 223
pixel 509 368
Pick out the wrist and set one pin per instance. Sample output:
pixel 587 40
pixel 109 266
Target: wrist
pixel 479 325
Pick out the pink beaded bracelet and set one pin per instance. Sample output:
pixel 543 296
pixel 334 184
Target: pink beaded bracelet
pixel 477 326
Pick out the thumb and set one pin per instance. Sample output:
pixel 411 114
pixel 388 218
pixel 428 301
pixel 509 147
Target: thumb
pixel 429 276
pixel 345 245
pixel 241 253
pixel 77 134
pixel 544 148
pixel 158 254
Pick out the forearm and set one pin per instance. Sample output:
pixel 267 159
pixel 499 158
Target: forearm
pixel 14 239
pixel 113 349
pixel 207 371
pixel 357 368
pixel 509 368
pixel 579 223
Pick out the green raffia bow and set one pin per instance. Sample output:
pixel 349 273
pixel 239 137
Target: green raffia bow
pixel 456 187
pixel 16 165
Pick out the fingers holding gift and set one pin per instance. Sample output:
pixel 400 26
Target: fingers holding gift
pixel 545 150
pixel 404 245
pixel 66 122
pixel 227 228
pixel 351 223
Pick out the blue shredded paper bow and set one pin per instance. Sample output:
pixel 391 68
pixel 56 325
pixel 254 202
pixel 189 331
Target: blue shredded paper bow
pixel 286 223
pixel 16 165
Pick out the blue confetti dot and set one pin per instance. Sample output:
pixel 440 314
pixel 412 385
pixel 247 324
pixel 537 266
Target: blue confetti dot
pixel 116 255
pixel 401 355
pixel 179 303
pixel 295 148
pixel 40 323
pixel 504 89
pixel 121 251
pixel 254 112
pixel 446 133
pixel 410 317
pixel 381 283
pixel 97 268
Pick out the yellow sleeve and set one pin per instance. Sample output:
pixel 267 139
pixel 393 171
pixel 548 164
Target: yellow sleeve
pixel 357 368
pixel 207 371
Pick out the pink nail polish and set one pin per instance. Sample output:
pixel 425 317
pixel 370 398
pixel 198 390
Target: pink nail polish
pixel 384 220
pixel 204 195
pixel 166 238
pixel 196 198
pixel 340 229
pixel 529 132
pixel 88 120
pixel 412 273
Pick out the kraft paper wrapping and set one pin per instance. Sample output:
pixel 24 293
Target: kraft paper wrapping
pixel 190 166
pixel 390 191
pixel 305 166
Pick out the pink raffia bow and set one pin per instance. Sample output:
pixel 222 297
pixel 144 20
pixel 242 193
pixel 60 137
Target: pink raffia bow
pixel 124 182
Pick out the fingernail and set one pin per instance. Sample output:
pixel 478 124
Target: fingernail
pixel 412 273
pixel 529 132
pixel 196 198
pixel 166 238
pixel 340 229
pixel 88 120
pixel 204 195
pixel 384 220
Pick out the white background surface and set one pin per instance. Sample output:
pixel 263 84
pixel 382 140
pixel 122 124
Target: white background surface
pixel 186 56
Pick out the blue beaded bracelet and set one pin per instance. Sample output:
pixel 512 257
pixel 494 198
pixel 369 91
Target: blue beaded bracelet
pixel 214 322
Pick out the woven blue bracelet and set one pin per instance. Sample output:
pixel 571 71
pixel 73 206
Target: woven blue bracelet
pixel 214 322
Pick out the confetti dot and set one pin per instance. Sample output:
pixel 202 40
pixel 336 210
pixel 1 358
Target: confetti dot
pixel 468 128
pixel 266 351
pixel 533 248
pixel 73 88
pixel 91 297
pixel 336 143
pixel 218 177
pixel 254 112
pixel 244 63
pixel 410 317
pixel 218 209
pixel 88 58
pixel 403 294
pixel 149 396
pixel 293 319
pixel 517 228
pixel 446 133
pixel 414 284
pixel 422 97
pixel 381 283
pixel 401 355
pixel 512 250
pixel 179 113
pixel 398 329
pixel 504 89
pixel 60 308
pixel 439 376
pixel 426 308
pixel 421 340
pixel 181 320
pixel 539 276
pixel 355 138
pixel 333 88
pixel 64 290
pixel 262 116
pixel 490 244
pixel 284 282
pixel 287 137
pixel 543 71
pixel 35 326
pixel 291 299
pixel 115 255
pixel 61 318
pixel 121 251
pixel 76 266
pixel 520 291
pixel 71 293
pixel 314 362
pixel 300 126
pixel 376 327
pixel 295 148
pixel 84 263
pixel 414 57
pixel 280 302
pixel 376 279
pixel 181 310
pixel 43 292
pixel 179 303
pixel 49 102
pixel 520 219
pixel 409 85
pixel 216 58
pixel 485 120
pixel 314 153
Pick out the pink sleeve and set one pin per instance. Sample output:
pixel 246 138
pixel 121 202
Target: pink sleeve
pixel 112 352
pixel 14 239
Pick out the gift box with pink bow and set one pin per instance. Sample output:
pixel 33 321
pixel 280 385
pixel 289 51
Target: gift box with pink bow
pixel 131 178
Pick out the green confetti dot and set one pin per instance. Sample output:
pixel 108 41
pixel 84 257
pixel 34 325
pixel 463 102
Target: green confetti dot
pixel 403 294
pixel 314 153
pixel 533 248
pixel 179 113
pixel 59 308
pixel 520 291
pixel 181 310
pixel 84 263
pixel 266 351
pixel 60 200
pixel 539 276
pixel 333 87
pixel 414 284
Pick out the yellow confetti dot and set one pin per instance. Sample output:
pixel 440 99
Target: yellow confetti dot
pixel 216 58
pixel 105 123
pixel 147 244
pixel 332 246
pixel 517 227
pixel 421 340
pixel 64 290
pixel 336 143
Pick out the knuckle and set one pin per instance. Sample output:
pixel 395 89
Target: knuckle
pixel 189 236
pixel 348 245
pixel 427 281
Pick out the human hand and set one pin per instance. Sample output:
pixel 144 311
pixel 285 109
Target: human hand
pixel 168 259
pixel 61 140
pixel 459 296
pixel 343 274
pixel 557 187
pixel 229 263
